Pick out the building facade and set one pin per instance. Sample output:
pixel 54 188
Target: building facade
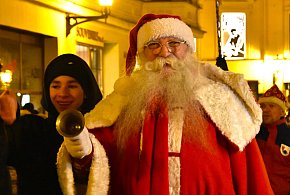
pixel 33 32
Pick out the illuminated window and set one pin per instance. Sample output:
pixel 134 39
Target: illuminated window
pixel 94 57
pixel 233 35
pixel 22 53
pixel 25 99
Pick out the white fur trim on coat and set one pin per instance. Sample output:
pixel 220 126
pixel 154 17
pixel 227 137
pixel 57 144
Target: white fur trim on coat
pixel 98 182
pixel 231 105
pixel 107 110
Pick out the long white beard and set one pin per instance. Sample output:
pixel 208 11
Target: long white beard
pixel 170 81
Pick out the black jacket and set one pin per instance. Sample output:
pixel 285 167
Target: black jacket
pixel 5 183
pixel 33 146
pixel 283 134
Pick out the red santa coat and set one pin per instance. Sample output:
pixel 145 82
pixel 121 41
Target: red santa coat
pixel 219 169
pixel 231 164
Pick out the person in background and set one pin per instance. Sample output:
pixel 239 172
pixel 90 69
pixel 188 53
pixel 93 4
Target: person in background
pixel 288 111
pixel 34 141
pixel 274 140
pixel 28 108
pixel 8 113
pixel 176 125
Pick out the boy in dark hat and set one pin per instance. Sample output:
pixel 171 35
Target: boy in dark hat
pixel 34 141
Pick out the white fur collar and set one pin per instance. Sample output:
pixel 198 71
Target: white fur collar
pixel 226 97
pixel 239 117
pixel 99 171
pixel 229 113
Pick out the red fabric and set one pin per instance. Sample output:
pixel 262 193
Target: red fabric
pixel 217 169
pixel 249 164
pixel 81 168
pixel 132 51
pixel 278 166
pixel 155 145
pixel 275 92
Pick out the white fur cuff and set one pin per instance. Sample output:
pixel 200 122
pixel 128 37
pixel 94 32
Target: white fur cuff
pixel 99 171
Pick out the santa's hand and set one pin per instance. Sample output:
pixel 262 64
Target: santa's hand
pixel 80 145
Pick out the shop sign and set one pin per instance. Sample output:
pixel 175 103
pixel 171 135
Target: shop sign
pixel 89 34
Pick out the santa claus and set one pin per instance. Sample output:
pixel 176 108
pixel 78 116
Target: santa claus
pixel 174 125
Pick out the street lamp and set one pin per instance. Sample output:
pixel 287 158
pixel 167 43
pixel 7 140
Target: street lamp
pixel 104 14
pixel 5 77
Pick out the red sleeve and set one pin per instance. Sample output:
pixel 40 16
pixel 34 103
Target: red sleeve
pixel 81 168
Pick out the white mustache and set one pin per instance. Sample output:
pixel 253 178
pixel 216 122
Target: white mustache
pixel 160 62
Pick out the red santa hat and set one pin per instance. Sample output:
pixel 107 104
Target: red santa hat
pixel 274 95
pixel 151 27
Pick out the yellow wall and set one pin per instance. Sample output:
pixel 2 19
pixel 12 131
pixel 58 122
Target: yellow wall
pixel 47 17
pixel 267 25
pixel 267 36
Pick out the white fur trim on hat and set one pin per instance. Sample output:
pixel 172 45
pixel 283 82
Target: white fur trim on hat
pixel 274 100
pixel 164 27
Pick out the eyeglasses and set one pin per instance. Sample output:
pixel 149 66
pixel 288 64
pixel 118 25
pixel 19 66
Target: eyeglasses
pixel 170 45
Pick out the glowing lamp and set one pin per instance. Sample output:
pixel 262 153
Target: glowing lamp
pixel 6 78
pixel 82 19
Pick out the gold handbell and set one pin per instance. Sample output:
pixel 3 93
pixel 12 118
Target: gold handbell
pixel 70 123
pixel 285 150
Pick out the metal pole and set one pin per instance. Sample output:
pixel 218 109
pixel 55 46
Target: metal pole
pixel 220 60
